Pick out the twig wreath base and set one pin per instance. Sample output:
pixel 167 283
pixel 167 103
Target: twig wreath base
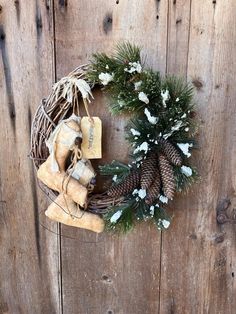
pixel 161 132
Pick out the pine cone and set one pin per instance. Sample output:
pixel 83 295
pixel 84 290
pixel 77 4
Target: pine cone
pixel 154 191
pixel 148 170
pixel 167 176
pixel 171 152
pixel 129 183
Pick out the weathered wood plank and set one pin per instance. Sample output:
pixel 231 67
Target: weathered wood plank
pixel 112 274
pixel 29 254
pixel 198 256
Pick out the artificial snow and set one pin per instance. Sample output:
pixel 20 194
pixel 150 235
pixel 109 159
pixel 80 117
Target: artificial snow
pixel 143 146
pixel 185 148
pixel 151 119
pixel 114 179
pixel 165 96
pixel 143 97
pixel 115 216
pixel 174 128
pixel 186 129
pixel 163 199
pixel 183 116
pixel 135 132
pixel 152 209
pixel 141 193
pixel 105 78
pixel 177 99
pixel 165 223
pixel 187 171
pixel 134 67
pixel 137 85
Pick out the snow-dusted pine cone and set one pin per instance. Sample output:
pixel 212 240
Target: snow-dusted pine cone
pixel 154 190
pixel 171 152
pixel 167 176
pixel 130 182
pixel 148 170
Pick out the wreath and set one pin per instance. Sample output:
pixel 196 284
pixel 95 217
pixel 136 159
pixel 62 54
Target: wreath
pixel 160 131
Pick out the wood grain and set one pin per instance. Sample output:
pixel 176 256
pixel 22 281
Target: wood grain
pixel 198 256
pixel 110 274
pixel 188 269
pixel 29 254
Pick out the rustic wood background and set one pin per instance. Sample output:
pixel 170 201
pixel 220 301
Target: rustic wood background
pixel 191 268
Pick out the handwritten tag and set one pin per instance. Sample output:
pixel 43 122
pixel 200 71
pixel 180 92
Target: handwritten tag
pixel 91 145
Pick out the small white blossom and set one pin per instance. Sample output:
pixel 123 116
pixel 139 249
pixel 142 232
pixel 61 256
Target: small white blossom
pixel 143 146
pixel 135 132
pixel 151 119
pixel 165 96
pixel 186 129
pixel 143 97
pixel 107 66
pixel 184 116
pixel 163 199
pixel 105 78
pixel 114 179
pixel 177 99
pixel 137 85
pixel 187 171
pixel 185 148
pixel 165 223
pixel 116 216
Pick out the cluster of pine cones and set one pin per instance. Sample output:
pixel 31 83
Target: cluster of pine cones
pixel 156 174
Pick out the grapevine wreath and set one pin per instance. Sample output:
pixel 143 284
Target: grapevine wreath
pixel 161 132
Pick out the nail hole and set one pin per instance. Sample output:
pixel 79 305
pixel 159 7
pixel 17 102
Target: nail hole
pixel 3 36
pixel 157 17
pixel 117 1
pixel 232 274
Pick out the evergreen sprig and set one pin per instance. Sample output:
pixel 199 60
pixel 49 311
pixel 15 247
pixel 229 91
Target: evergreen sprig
pixel 162 109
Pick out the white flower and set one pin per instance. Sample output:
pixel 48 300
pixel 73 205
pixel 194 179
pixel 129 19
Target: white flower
pixel 143 146
pixel 187 171
pixel 137 85
pixel 151 119
pixel 116 216
pixel 163 199
pixel 165 223
pixel 107 66
pixel 114 179
pixel 177 99
pixel 165 96
pixel 185 148
pixel 105 78
pixel 134 67
pixel 143 97
pixel 186 129
pixel 135 132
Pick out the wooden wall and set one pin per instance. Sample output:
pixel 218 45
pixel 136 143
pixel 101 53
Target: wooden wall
pixel 191 268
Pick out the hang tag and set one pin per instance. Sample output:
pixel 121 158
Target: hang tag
pixel 91 145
